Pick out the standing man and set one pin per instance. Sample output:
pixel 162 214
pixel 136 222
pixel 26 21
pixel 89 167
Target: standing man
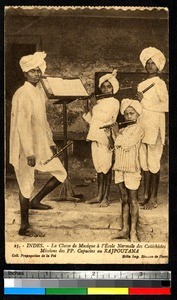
pixel 31 141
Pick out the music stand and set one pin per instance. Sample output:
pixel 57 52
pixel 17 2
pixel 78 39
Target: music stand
pixel 66 192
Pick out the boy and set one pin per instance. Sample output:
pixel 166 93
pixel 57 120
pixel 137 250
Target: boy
pixel 104 112
pixel 155 104
pixel 127 168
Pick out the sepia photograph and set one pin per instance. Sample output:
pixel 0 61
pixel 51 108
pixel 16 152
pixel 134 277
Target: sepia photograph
pixel 86 134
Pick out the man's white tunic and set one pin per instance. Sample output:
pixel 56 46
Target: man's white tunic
pixel 30 134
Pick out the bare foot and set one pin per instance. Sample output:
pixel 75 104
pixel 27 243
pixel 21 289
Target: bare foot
pixel 30 232
pixel 150 205
pixel 104 203
pixel 122 234
pixel 133 237
pixel 40 206
pixel 92 201
pixel 143 201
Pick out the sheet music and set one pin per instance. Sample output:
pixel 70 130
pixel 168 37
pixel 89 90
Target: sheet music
pixel 66 87
pixel 47 85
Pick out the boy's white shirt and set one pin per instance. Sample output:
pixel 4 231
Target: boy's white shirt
pixel 103 113
pixel 155 104
pixel 128 137
pixel 127 146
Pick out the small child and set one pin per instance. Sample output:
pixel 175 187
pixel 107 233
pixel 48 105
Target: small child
pixel 155 104
pixel 104 112
pixel 127 168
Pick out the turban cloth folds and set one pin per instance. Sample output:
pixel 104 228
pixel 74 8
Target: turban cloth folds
pixel 130 102
pixel 30 62
pixel 111 77
pixel 155 54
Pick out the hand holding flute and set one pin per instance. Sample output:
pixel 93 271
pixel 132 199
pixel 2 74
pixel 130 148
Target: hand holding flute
pixel 91 102
pixel 139 95
pixel 57 154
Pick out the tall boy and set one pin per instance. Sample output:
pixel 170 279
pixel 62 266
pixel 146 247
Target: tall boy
pixel 155 104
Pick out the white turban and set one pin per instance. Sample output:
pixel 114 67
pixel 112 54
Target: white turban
pixel 155 54
pixel 29 62
pixel 112 79
pixel 130 102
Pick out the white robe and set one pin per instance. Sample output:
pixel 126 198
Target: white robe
pixel 30 131
pixel 155 104
pixel 30 134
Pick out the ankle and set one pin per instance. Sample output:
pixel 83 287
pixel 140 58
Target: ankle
pixel 105 198
pixel 34 201
pixel 24 226
pixel 134 236
pixel 146 195
pixel 126 230
pixel 153 199
pixel 99 197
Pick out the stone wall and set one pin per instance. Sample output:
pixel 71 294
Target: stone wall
pixel 78 46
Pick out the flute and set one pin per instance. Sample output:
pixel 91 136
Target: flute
pixel 101 96
pixel 120 124
pixel 58 153
pixel 127 122
pixel 148 88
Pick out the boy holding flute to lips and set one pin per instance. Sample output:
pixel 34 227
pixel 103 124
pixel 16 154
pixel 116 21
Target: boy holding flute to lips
pixel 103 112
pixel 152 120
pixel 127 167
